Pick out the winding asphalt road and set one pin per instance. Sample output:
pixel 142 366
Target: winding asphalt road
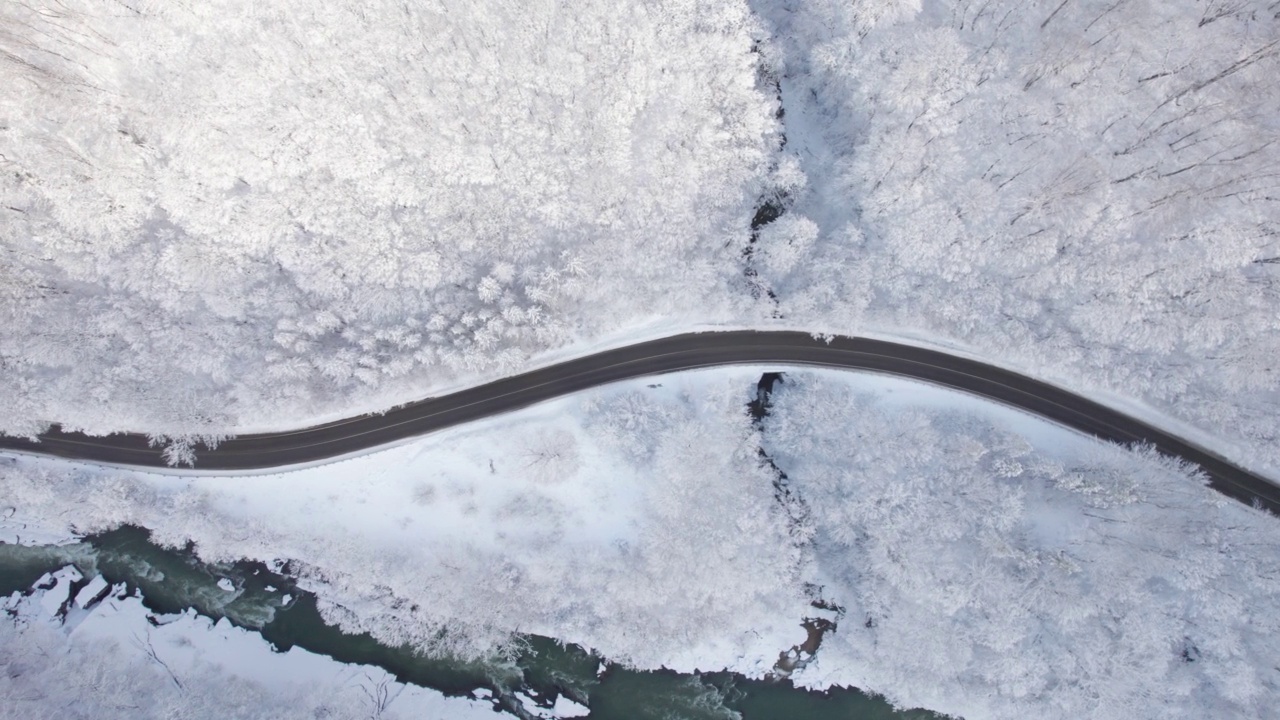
pixel 681 352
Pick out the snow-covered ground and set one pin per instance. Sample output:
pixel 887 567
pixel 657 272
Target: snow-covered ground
pixel 101 654
pixel 571 519
pixel 988 563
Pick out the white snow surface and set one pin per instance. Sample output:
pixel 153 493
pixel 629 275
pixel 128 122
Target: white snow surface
pixel 566 708
pixel 107 660
pixel 570 519
pixel 989 563
pixel 1082 191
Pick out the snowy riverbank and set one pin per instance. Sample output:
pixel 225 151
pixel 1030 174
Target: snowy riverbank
pixel 1012 563
pixel 76 647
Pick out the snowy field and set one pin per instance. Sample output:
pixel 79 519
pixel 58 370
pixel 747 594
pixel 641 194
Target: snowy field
pixel 987 563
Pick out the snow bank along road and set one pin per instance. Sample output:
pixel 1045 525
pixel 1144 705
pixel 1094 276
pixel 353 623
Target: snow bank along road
pixel 681 352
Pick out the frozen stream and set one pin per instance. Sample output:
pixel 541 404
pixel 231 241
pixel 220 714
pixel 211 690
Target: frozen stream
pixel 172 581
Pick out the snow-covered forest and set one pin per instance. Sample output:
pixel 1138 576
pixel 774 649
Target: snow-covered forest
pixel 1061 576
pixel 226 216
pixel 1089 189
pixel 225 213
pixel 983 563
pixel 230 215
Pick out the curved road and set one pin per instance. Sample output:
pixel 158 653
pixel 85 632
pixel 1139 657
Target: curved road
pixel 681 352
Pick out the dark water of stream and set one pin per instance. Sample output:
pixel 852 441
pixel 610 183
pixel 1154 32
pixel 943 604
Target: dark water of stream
pixel 173 580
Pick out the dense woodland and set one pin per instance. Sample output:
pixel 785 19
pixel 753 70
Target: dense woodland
pixel 1089 189
pixel 230 215
pixel 224 213
pixel 1010 576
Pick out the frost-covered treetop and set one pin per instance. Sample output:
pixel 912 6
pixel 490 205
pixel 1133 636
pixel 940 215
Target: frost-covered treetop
pixel 213 209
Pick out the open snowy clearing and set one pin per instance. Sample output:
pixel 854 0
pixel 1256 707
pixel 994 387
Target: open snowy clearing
pixel 560 499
